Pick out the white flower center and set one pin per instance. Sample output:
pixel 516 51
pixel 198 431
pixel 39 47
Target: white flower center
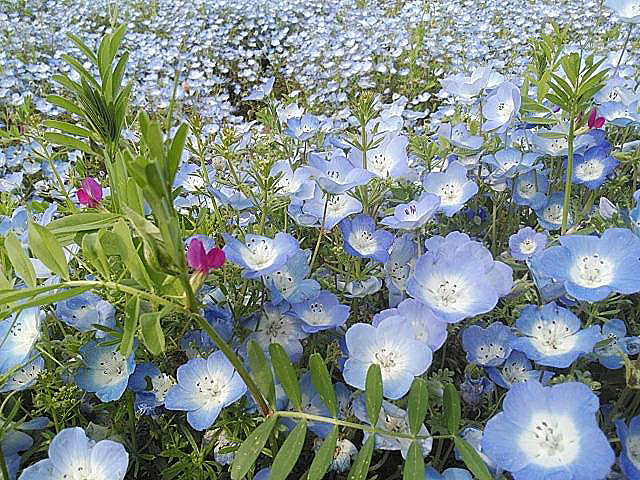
pixel 551 440
pixel 450 194
pixel 490 351
pixel 411 210
pixel 282 281
pixel 592 271
pixel 559 144
pixel 363 242
pixel 553 338
pixel 445 294
pixel 25 374
pixel 527 189
pixel 316 315
pixel 590 170
pixel 263 254
pixel 160 386
pixel 514 373
pixel 387 358
pixel 528 246
pixel 113 365
pixel 553 214
pixel 335 205
pixel 213 386
pixel 377 163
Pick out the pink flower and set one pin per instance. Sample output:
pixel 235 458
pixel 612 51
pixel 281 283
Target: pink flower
pixel 90 194
pixel 594 120
pixel 201 260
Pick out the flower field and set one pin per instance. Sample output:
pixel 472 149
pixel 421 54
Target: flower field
pixel 350 239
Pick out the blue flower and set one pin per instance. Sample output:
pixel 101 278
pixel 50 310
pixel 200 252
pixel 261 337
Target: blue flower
pixel 413 215
pixel 551 335
pixel 260 255
pixel 473 388
pixel 220 318
pixel 230 197
pixel 501 107
pixel 18 334
pixel 427 327
pixel 197 343
pixel 150 385
pixel 73 455
pixel 510 162
pixel 25 376
pixel 338 207
pixel 617 346
pixel 204 388
pixel 12 443
pixel 546 433
pixel 361 239
pixel 321 313
pixel 530 189
pixel 387 159
pixel 278 325
pixel 294 184
pixel 452 186
pixel 289 282
pixel 593 267
pixel 526 243
pixel 391 345
pixel 620 114
pixel 466 88
pixel 630 444
pixel 261 91
pixel 515 369
pixel 106 371
pixel 592 168
pixel 85 310
pixel 399 267
pixel 431 473
pixel 489 346
pixel 336 175
pixel 550 214
pixel 302 128
pixel 459 136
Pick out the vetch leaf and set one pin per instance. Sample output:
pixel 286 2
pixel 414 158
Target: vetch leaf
pixel 47 249
pixel 132 315
pixel 286 373
pixel 451 401
pixel 414 464
pixel 19 260
pixel 152 334
pixel 373 393
pixel 261 370
pixel 360 466
pixel 248 452
pixel 322 381
pixel 417 405
pixel 323 456
pixel 472 460
pixel 289 452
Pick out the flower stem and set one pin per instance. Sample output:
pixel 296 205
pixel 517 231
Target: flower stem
pixel 324 218
pixel 569 179
pixel 624 48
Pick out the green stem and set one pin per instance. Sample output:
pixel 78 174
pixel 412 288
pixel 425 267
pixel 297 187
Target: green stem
pixel 324 218
pixel 569 173
pixel 624 48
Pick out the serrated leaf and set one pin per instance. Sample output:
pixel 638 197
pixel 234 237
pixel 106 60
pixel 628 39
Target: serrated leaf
pixel 417 405
pixel 472 460
pixel 152 334
pixel 261 370
pixel 324 456
pixel 373 393
pixel 322 381
pixel 414 464
pixel 289 452
pixel 248 452
pixel 47 249
pixel 360 466
pixel 451 402
pixel 286 374
pixel 19 260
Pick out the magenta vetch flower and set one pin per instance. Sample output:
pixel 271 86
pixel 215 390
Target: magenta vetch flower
pixel 594 120
pixel 90 194
pixel 201 260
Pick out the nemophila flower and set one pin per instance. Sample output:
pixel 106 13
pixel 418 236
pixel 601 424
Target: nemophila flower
pixel 546 433
pixel 294 184
pixel 202 260
pixel 359 288
pixel 526 243
pixel 550 215
pixel 25 376
pixel 593 267
pixel 290 283
pixel 302 128
pixel 392 419
pixel 431 473
pixel 278 325
pixel 322 312
pixel 515 369
pixel 106 371
pixel 452 186
pixel 150 385
pixel 459 136
pixel 391 345
pixel 474 388
pixel 615 345
pixel 362 239
pixel 606 208
pixel 510 162
pixel 530 189
pixel 260 255
pixel 72 455
pixel 85 310
pixel 465 88
pixel 413 215
pixel 399 267
pixel 338 207
pixel 489 346
pixel 197 343
pixel 90 194
pixel 617 89
pixel 629 437
pixel 551 335
pixel 343 454
pixel 336 175
pixel 261 91
pixel 620 114
pixel 522 138
pixel 12 443
pixel 18 334
pixel 230 197
pixel 220 318
pixel 263 474
pixel 205 386
pixel 594 121
pixel 592 168
pixel 388 159
pixel 500 107
pixel 427 328
pixel 628 11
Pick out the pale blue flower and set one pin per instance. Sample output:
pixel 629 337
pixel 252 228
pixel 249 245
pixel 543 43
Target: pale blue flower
pixel 413 215
pixel 515 369
pixel 387 159
pixel 18 334
pixel 617 346
pixel 452 186
pixel 85 310
pixel 629 437
pixel 550 214
pixel 526 243
pixel 25 376
pixel 260 255
pixel 459 136
pixel 431 473
pixel 277 324
pixel 362 239
pixel 336 175
pixel 500 107
pixel 489 346
pixel 592 168
pixel 261 91
pixel 322 312
pixel 338 207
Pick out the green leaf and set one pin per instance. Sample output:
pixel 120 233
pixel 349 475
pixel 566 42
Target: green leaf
pixel 472 460
pixel 152 334
pixel 19 260
pixel 414 464
pixel 451 401
pixel 543 86
pixel 360 466
pixel 324 456
pixel 570 64
pixel 248 452
pixel 42 300
pixel 289 452
pixel 373 393
pixel 65 228
pixel 131 317
pixel 47 249
pixel 177 145
pixel 67 141
pixel 129 254
pixel 81 45
pixel 12 295
pixel 322 381
pixel 286 373
pixel 66 104
pixel 417 405
pixel 261 370
pixel 68 128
